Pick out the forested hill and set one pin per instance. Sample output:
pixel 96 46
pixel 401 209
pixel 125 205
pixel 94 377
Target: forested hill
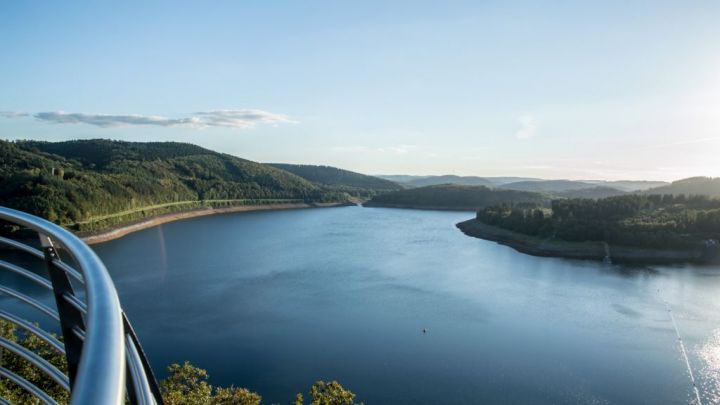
pixel 357 184
pixel 77 181
pixel 448 179
pixel 628 185
pixel 708 186
pixel 566 188
pixel 451 196
pixel 548 185
pixel 592 192
pixel 657 221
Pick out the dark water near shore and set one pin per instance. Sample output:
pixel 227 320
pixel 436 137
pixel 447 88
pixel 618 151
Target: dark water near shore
pixel 275 300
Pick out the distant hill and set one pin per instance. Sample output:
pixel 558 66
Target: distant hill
pixel 422 181
pixel 452 196
pixel 80 181
pixel 448 179
pixel 399 178
pixel 499 181
pixel 339 179
pixel 709 186
pixel 628 185
pixel 547 185
pixel 523 183
pixel 592 192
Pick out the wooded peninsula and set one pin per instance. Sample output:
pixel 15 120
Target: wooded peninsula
pixel 630 228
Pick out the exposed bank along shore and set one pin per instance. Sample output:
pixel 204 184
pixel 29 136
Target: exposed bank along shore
pixel 578 250
pixel 119 231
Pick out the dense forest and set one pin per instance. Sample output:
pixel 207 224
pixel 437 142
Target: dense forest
pixel 659 221
pixel 332 178
pixel 75 183
pixel 450 196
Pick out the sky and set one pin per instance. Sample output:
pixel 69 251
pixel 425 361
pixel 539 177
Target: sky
pixel 551 89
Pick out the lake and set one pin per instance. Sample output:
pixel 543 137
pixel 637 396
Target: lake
pixel 273 301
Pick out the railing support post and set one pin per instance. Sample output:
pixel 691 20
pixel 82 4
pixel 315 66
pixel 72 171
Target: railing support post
pixel 70 317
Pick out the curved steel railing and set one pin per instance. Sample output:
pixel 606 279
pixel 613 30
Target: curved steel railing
pixel 98 341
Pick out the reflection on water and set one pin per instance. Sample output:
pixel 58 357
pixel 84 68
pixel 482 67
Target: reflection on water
pixel 709 373
pixel 275 300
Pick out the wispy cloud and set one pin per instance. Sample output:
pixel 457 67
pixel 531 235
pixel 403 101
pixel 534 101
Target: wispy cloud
pixel 244 118
pixel 13 114
pixel 108 120
pixel 240 118
pixel 528 127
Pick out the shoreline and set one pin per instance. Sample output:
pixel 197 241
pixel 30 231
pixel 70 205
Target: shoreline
pixel 576 250
pixel 118 231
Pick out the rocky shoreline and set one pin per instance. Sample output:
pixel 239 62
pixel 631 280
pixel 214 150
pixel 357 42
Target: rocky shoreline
pixel 577 250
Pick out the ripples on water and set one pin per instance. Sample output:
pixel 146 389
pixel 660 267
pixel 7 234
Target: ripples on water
pixel 275 300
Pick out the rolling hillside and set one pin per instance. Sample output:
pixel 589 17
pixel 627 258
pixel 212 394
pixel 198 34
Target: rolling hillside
pixel 529 183
pixel 592 192
pixel 709 186
pixel 77 181
pixel 448 179
pixel 628 185
pixel 547 185
pixel 422 181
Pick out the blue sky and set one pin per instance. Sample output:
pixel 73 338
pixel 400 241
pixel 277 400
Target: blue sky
pixel 556 89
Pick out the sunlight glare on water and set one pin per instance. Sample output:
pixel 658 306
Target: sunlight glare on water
pixel 709 354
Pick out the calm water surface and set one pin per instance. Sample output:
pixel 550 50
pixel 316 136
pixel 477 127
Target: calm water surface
pixel 275 300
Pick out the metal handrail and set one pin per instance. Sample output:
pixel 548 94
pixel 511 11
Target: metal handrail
pixel 99 341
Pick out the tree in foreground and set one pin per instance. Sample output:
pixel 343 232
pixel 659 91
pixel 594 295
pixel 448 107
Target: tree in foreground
pixel 330 393
pixel 188 385
pixel 13 393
